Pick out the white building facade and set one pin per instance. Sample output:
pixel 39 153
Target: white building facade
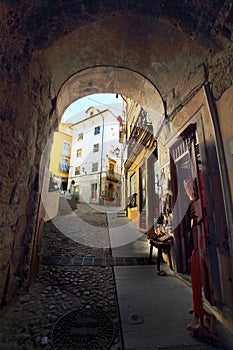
pixel 96 162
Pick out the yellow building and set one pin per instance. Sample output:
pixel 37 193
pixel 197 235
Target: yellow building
pixel 141 155
pixel 60 157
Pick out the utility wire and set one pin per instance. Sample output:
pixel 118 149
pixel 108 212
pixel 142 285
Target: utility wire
pixel 104 104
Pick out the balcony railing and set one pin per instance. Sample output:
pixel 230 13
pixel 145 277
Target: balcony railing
pixel 63 169
pixel 113 176
pixel 141 137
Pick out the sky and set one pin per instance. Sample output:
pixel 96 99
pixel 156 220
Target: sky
pixel 77 110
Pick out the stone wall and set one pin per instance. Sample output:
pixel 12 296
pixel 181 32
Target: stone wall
pixel 25 124
pixel 51 205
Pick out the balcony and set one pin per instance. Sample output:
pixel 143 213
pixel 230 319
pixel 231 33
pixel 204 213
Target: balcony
pixel 113 176
pixel 141 137
pixel 63 169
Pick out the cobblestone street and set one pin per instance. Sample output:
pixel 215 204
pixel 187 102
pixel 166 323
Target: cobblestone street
pixel 28 322
pixel 91 298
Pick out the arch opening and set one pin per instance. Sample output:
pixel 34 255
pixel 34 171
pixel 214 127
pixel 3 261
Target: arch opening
pixel 118 81
pixel 109 79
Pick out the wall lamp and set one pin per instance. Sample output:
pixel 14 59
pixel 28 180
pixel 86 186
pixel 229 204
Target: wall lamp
pixel 117 151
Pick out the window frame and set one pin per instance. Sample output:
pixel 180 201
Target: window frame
pixel 80 136
pixel 76 171
pixel 96 147
pixel 64 166
pixel 97 128
pixel 79 153
pixel 93 166
pixel 66 148
pixel 133 184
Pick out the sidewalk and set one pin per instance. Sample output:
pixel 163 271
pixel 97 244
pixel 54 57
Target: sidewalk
pixel 154 310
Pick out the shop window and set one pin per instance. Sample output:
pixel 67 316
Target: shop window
pixel 143 188
pixel 133 184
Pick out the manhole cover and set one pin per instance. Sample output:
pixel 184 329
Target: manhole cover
pixel 81 329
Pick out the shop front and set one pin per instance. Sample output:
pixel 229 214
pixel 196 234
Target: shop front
pixel 197 205
pixel 189 207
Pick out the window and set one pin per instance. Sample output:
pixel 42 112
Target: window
pixel 97 130
pixel 77 170
pixel 133 184
pixel 66 148
pixel 96 147
pixel 93 191
pixel 79 152
pixel 133 194
pixel 94 167
pixel 80 136
pixel 64 165
pixel 143 188
pixel 111 168
pixel 121 136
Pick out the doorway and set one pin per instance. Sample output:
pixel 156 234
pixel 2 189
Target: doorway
pixel 189 195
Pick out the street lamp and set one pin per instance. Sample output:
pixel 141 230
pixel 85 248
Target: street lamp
pixel 117 151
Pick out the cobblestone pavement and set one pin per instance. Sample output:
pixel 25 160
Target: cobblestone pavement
pixel 56 243
pixel 28 322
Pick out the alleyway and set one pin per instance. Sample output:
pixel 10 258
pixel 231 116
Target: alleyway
pixel 123 303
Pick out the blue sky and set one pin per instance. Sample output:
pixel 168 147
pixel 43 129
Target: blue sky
pixel 76 111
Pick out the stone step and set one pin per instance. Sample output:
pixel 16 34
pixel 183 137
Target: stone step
pixel 121 213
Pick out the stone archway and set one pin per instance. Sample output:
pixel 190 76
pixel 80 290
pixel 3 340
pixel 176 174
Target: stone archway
pixel 104 79
pixel 175 45
pixel 109 79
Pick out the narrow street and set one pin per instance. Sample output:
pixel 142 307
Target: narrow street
pixel 28 322
pixel 89 297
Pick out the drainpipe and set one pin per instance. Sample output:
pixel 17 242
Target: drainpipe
pixel 101 161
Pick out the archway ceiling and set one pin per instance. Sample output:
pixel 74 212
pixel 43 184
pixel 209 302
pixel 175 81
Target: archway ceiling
pixel 43 22
pixel 110 80
pixel 166 41
pixel 168 44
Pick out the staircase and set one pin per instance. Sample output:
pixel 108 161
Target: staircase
pixel 121 213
